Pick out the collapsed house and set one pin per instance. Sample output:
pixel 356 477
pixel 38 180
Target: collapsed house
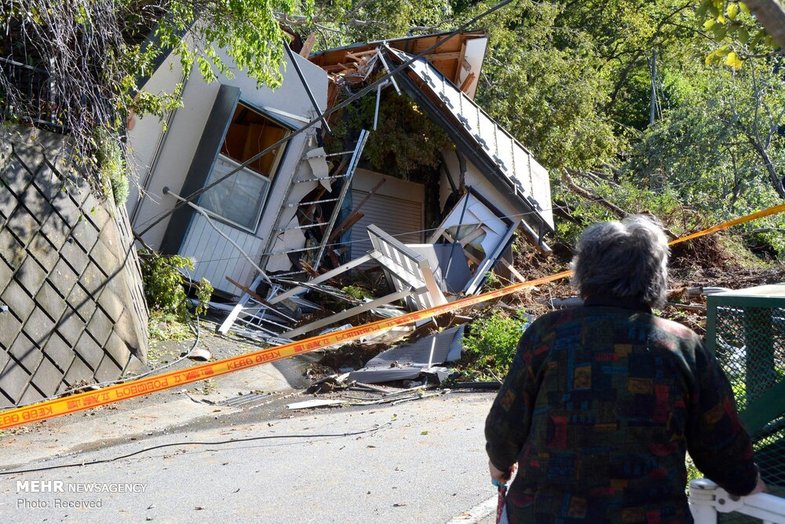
pixel 267 214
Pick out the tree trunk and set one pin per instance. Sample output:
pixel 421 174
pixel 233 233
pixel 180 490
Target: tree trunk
pixel 589 195
pixel 771 16
pixel 774 177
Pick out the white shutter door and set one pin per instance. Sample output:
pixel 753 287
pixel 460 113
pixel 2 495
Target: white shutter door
pixel 401 218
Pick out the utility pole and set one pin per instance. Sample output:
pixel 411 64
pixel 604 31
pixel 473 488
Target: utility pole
pixel 653 103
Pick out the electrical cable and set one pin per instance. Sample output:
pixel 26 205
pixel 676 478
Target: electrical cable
pixel 98 385
pixel 196 443
pixel 430 230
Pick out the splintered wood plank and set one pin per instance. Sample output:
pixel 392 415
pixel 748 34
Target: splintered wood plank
pixel 467 83
pixel 310 41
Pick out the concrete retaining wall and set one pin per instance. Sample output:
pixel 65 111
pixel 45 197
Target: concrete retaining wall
pixel 69 276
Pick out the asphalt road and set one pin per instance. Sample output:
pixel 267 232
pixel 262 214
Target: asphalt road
pixel 422 461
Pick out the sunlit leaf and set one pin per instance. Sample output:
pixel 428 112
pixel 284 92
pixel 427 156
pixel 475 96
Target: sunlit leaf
pixel 733 60
pixel 733 10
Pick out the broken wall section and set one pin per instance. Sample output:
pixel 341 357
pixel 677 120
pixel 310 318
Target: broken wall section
pixel 72 307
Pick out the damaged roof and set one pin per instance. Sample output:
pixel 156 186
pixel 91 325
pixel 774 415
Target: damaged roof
pixel 443 83
pixel 512 167
pixel 459 58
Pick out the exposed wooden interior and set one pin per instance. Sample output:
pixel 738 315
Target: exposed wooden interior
pixel 249 133
pixel 448 58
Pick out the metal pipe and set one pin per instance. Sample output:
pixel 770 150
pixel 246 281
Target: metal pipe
pixel 306 86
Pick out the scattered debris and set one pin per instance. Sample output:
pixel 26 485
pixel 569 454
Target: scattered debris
pixel 409 361
pixel 338 387
pixel 316 403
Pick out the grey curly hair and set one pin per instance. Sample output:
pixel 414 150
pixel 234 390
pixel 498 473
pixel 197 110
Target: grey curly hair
pixel 627 259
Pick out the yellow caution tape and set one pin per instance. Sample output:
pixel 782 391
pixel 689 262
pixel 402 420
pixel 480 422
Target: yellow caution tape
pixel 73 403
pixel 730 223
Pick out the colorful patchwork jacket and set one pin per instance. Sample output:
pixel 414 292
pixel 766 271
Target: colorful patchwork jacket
pixel 599 408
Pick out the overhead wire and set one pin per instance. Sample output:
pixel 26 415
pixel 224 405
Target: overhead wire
pixel 511 216
pixel 87 400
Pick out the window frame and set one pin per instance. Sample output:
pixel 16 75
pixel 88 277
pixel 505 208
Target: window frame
pixel 288 130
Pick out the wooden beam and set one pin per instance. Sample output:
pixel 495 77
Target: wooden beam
pixel 308 45
pixel 461 59
pixel 467 82
pixel 439 57
pixel 360 55
pixel 321 278
pixel 392 297
pixel 512 269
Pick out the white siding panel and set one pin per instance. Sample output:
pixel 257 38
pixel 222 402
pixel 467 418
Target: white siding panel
pixel 147 131
pixel 475 53
pixel 175 159
pixel 523 169
pixel 215 257
pixel 542 190
pixel 293 98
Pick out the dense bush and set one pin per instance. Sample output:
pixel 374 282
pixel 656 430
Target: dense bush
pixel 164 285
pixel 492 342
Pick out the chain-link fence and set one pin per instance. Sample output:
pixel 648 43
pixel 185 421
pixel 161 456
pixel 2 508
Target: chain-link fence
pixel 746 331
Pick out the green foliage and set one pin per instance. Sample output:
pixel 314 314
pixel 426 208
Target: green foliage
pixel 204 291
pixel 96 52
pixel 692 472
pixel 628 195
pixel 544 85
pixel 406 141
pixel 767 242
pixel 357 292
pixel 492 342
pixel 717 150
pixel 163 283
pixel 111 164
pixel 247 30
pixel 731 25
pixel 166 326
pixel 344 22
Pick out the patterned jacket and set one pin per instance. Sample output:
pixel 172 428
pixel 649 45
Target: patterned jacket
pixel 599 408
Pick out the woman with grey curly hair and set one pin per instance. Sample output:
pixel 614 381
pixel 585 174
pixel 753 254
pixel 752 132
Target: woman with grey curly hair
pixel 603 401
pixel 627 259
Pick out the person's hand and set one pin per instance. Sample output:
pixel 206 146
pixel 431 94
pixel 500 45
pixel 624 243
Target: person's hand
pixel 499 475
pixel 760 486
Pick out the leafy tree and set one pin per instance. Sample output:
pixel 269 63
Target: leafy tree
pixel 722 143
pixel 342 22
pixel 91 53
pixel 732 26
pixel 543 85
pixel 407 142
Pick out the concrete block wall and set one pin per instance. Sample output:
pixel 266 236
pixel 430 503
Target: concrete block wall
pixel 69 277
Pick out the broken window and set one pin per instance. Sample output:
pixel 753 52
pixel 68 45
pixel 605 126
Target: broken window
pixel 240 198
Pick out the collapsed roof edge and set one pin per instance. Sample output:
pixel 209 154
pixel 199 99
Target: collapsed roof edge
pixel 539 219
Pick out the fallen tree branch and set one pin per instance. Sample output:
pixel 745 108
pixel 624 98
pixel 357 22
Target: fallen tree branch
pixel 610 206
pixel 585 193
